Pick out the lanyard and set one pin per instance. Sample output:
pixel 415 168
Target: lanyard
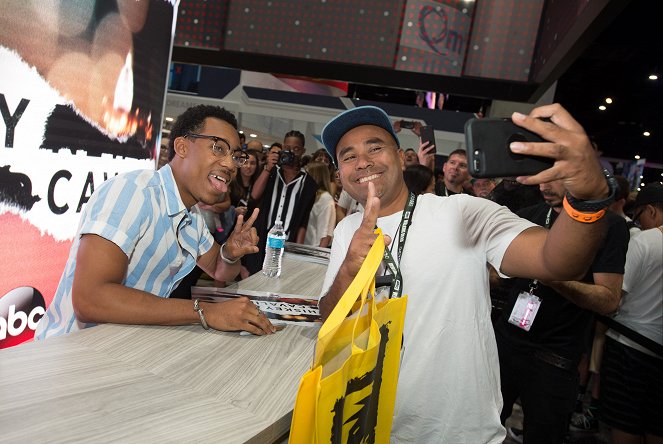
pixel 406 220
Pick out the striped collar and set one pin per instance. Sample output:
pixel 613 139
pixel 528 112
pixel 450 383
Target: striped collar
pixel 174 203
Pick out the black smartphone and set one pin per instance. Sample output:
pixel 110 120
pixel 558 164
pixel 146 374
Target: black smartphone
pixel 488 154
pixel 407 124
pixel 427 134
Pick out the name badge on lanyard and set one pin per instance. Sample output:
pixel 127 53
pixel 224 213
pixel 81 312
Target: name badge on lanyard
pixel 527 305
pixel 524 311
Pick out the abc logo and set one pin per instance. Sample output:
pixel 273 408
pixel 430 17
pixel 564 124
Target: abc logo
pixel 20 312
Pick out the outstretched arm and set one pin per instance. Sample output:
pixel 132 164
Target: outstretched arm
pixel 602 296
pixel 564 252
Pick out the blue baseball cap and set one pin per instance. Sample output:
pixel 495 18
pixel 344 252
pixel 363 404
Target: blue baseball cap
pixel 352 118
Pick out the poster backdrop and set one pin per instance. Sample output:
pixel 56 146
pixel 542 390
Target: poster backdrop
pixel 82 89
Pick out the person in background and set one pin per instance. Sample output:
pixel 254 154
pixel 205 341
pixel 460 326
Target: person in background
pixel 514 195
pixel 240 193
pixel 621 200
pixel 540 356
pixel 483 187
pixel 586 419
pixel 456 175
pixel 448 385
pixel 241 187
pixel 419 179
pixel 286 193
pixel 631 374
pixel 322 220
pixel 141 233
pixel 411 157
pixel 322 156
pixel 254 145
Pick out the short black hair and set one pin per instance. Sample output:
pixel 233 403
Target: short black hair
pixel 459 151
pixel 417 178
pixel 295 133
pixel 193 120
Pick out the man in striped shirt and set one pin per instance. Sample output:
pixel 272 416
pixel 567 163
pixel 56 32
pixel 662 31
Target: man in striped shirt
pixel 141 233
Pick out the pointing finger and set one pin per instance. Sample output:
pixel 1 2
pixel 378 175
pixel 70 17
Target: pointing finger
pixel 252 219
pixel 372 209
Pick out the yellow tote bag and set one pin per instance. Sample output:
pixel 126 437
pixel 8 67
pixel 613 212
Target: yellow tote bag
pixel 349 393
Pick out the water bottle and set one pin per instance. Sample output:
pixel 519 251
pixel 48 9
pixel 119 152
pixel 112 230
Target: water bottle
pixel 274 251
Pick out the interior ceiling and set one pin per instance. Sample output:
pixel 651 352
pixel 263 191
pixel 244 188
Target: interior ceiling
pixel 617 65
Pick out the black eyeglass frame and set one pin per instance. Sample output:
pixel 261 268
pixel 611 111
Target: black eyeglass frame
pixel 238 156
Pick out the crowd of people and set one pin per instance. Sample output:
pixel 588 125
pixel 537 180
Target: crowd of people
pixel 505 312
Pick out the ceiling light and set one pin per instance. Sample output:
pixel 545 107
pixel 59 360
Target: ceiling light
pixel 653 77
pixel 266 146
pixel 253 135
pixel 642 184
pixel 646 134
pixel 608 100
pixel 169 119
pixel 638 189
pixel 602 107
pixel 240 131
pixel 642 177
pixel 637 156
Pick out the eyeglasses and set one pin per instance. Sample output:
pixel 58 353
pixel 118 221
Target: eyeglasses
pixel 221 148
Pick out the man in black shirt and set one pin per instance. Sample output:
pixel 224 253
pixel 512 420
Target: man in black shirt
pixel 541 338
pixel 287 194
pixel 455 174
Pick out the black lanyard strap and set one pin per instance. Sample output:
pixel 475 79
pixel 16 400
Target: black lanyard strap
pixel 406 220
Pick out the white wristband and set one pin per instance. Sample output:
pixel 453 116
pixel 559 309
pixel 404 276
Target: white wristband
pixel 225 259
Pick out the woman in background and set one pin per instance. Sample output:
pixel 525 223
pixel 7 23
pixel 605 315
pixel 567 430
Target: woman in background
pixel 240 195
pixel 240 188
pixel 322 219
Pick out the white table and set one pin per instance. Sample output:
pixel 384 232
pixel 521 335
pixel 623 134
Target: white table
pixel 119 383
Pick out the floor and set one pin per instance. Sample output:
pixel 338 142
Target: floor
pixel 600 437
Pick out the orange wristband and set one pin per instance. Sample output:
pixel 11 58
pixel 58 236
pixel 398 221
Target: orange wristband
pixel 585 218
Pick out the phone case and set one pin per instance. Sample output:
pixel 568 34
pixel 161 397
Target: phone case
pixel 427 134
pixel 488 153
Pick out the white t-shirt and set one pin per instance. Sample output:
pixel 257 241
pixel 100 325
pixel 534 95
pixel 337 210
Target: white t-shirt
pixel 321 221
pixel 448 387
pixel 350 205
pixel 641 307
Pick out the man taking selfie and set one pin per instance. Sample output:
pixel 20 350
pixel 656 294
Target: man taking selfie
pixel 448 388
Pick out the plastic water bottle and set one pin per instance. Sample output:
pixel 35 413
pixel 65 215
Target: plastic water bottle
pixel 274 251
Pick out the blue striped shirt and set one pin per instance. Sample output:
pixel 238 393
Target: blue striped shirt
pixel 142 213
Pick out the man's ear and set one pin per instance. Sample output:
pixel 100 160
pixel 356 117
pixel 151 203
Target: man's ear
pixel 180 147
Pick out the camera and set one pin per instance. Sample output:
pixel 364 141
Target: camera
pixel 286 157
